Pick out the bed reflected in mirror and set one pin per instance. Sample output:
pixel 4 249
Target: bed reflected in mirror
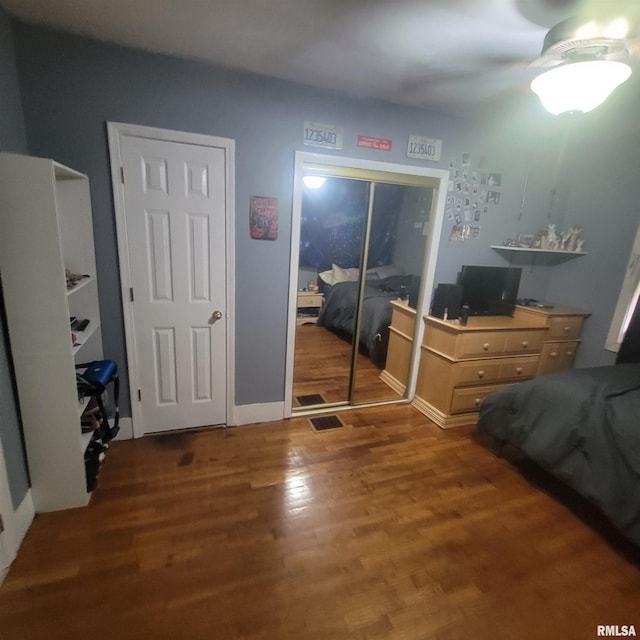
pixel 347 223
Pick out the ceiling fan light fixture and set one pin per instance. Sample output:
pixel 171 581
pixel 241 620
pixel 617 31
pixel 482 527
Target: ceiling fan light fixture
pixel 579 86
pixel 617 29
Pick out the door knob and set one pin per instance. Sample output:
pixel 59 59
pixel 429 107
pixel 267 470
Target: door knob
pixel 216 315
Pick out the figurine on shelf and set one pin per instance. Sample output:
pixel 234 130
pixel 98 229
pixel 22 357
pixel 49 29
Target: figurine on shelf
pixel 574 233
pixel 549 238
pixel 579 244
pixel 564 238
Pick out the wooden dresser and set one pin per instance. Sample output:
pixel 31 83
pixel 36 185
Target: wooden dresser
pixel 460 365
pixel 401 330
pixel 561 343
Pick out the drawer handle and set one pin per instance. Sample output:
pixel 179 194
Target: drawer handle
pixel 519 370
pixel 485 346
pixel 554 354
pixel 480 374
pixel 477 401
pixel 525 344
pixel 569 353
pixel 567 329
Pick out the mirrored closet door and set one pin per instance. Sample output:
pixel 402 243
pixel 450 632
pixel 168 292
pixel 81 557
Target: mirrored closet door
pixel 363 239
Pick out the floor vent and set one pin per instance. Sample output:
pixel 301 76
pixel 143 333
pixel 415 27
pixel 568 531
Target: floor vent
pixel 325 423
pixel 308 400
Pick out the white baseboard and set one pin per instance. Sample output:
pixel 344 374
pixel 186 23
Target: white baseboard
pixel 242 414
pixel 16 526
pixel 250 413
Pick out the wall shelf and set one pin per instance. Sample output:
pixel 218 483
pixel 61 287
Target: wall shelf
pixel 548 256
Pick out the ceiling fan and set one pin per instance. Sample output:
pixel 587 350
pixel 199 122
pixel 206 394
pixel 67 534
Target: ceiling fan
pixel 583 60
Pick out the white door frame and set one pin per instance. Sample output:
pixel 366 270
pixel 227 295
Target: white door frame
pixel 115 130
pixel 429 268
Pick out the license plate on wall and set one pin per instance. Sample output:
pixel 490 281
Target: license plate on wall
pixel 328 136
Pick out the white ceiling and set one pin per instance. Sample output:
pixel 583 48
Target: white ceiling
pixel 429 53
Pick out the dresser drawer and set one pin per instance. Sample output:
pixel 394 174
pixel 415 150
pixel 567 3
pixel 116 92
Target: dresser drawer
pixel 404 320
pixel 494 370
pixel 309 300
pixel 499 343
pixel 565 328
pixel 524 341
pixel 480 343
pixel 519 368
pixel 466 399
pixel 476 372
pixel 557 356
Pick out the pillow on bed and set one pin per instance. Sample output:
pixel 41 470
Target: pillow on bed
pixel 372 274
pixel 389 270
pixel 327 277
pixel 344 275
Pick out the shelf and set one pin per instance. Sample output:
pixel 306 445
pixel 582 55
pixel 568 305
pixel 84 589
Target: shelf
pixel 83 283
pixel 530 256
pixel 83 336
pixel 558 252
pixel 54 203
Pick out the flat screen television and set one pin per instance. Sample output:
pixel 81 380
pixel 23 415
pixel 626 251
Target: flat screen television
pixel 489 291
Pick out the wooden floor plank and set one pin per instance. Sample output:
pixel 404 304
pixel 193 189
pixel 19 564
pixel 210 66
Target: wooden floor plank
pixel 322 365
pixel 386 528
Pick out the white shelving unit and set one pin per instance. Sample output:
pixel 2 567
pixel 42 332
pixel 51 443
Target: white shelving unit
pixel 45 227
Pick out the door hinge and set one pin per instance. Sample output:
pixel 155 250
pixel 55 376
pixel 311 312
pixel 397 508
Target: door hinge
pixel 122 175
pixel 1 524
pixel 131 294
pixel 139 395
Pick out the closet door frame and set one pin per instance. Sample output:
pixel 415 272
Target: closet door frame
pixel 441 176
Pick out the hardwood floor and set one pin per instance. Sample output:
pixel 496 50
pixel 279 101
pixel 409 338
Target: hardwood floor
pixel 387 528
pixel 322 365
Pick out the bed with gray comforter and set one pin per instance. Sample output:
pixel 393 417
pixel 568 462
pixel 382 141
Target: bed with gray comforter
pixel 583 426
pixel 339 311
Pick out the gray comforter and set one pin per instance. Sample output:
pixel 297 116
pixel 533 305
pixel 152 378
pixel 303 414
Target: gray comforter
pixel 339 309
pixel 582 425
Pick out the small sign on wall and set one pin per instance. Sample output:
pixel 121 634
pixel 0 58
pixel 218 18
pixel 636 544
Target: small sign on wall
pixel 379 144
pixel 328 136
pixel 263 218
pixel 423 148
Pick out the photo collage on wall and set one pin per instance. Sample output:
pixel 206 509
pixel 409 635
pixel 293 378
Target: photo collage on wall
pixel 471 194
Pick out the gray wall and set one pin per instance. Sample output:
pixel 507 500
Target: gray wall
pixel 71 86
pixel 601 195
pixel 12 138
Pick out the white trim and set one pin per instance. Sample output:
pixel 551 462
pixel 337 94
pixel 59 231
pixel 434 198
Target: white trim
pixel 627 299
pixel 16 526
pixel 428 275
pixel 114 131
pixel 336 408
pixel 251 413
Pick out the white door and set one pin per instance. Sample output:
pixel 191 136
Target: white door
pixel 174 206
